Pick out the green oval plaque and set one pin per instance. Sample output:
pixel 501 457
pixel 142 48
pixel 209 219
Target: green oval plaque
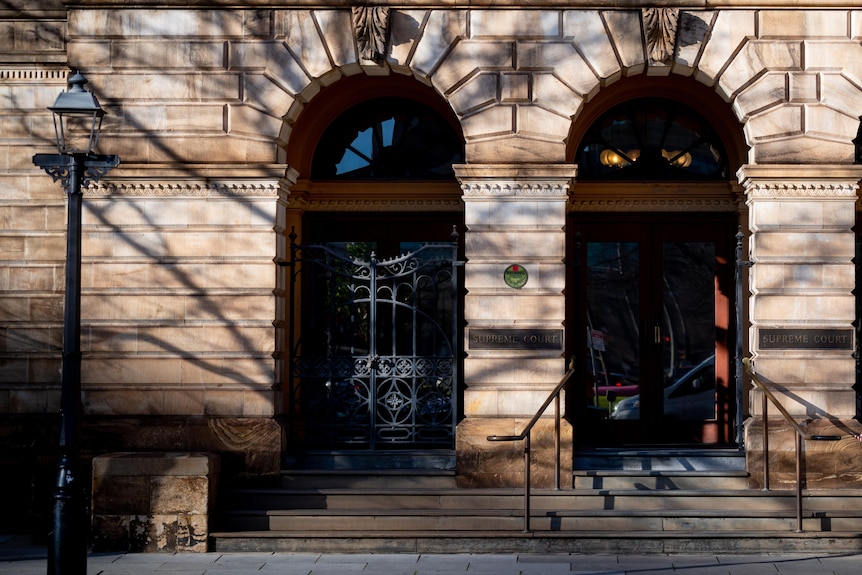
pixel 515 276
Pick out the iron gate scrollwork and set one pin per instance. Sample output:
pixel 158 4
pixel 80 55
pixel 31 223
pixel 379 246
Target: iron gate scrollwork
pixel 374 346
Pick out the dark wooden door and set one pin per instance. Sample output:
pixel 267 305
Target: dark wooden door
pixel 651 314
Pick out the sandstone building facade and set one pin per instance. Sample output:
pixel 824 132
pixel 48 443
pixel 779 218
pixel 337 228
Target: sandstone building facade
pixel 596 161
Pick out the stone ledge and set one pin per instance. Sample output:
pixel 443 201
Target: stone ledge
pixel 131 463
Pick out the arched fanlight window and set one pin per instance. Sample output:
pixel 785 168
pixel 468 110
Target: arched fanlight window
pixel 388 138
pixel 651 139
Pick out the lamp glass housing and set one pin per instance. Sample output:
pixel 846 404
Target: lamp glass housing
pixel 77 118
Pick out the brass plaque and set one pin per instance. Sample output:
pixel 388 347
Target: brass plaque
pixel 515 339
pixel 805 339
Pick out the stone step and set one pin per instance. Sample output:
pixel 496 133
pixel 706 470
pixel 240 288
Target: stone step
pixel 517 541
pixel 366 479
pixel 445 479
pixel 681 459
pixel 358 460
pixel 468 520
pixel 541 499
pixel 659 480
pixel 609 510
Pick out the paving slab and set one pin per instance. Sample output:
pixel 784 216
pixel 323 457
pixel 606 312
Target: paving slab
pixel 590 565
pixel 610 570
pixel 842 565
pixel 116 570
pixel 17 558
pixel 643 563
pixel 580 561
pixel 703 570
pixel 493 564
pixel 808 565
pixel 283 570
pixel 547 569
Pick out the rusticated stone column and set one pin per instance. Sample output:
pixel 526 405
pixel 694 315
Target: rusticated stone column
pixel 514 311
pixel 153 501
pixel 802 309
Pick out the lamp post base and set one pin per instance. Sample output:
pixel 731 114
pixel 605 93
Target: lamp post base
pixel 67 550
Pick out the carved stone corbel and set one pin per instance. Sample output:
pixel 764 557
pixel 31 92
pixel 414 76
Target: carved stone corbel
pixel 371 30
pixel 660 26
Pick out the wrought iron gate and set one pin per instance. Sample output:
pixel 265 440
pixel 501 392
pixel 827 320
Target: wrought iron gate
pixel 375 360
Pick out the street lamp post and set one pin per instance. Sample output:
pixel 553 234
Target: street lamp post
pixel 76 165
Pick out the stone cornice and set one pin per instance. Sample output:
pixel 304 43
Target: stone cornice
pixel 515 172
pixel 656 197
pixel 33 75
pixel 343 204
pixel 185 189
pixel 364 196
pixel 800 181
pixel 551 181
pixel 497 189
pixel 199 172
pixel 799 172
pixel 818 190
pixel 654 204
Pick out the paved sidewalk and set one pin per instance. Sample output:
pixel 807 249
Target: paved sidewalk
pixel 25 560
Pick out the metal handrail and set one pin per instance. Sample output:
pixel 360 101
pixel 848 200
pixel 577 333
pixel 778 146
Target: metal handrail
pixel 525 436
pixel 801 434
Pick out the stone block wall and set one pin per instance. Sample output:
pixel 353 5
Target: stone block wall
pixel 32 251
pixel 514 215
pixel 181 292
pixel 824 464
pixel 153 501
pixel 483 463
pixel 803 277
pixel 178 304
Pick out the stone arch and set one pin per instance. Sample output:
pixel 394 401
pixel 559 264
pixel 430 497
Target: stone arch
pixel 516 78
pixel 674 88
pixel 799 100
pixel 418 40
pixel 333 101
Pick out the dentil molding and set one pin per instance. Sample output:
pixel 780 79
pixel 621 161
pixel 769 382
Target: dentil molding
pixel 551 190
pixel 185 189
pixel 800 181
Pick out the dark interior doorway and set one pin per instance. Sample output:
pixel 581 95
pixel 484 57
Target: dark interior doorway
pixel 650 329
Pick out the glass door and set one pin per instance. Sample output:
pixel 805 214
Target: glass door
pixel 653 309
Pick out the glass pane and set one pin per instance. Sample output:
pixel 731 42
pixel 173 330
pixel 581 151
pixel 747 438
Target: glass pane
pixel 613 309
pixel 651 139
pixel 388 138
pixel 688 330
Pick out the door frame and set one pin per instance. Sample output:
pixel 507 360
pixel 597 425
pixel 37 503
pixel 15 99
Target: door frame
pixel 439 230
pixel 592 429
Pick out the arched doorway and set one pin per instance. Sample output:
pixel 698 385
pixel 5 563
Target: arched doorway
pixel 650 309
pixel 373 330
